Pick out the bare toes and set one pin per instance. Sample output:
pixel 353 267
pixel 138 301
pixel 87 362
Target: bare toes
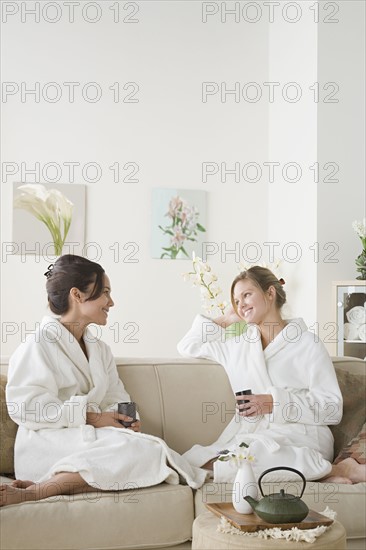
pixel 13 495
pixel 337 479
pixel 21 484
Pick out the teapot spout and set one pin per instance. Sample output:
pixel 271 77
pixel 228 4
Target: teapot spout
pixel 251 501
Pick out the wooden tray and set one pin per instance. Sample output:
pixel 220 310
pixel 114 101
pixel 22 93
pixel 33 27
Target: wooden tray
pixel 252 522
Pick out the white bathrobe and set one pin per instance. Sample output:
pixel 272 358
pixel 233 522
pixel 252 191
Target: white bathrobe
pixel 51 386
pixel 297 371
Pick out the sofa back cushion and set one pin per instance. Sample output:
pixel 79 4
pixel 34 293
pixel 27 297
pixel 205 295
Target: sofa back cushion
pixel 8 430
pixel 184 402
pixel 351 375
pixel 197 403
pixel 142 383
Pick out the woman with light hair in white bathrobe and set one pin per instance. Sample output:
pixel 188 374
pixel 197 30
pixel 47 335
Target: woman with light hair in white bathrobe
pixel 295 393
pixel 63 390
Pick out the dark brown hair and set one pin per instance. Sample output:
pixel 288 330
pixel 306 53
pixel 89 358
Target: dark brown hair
pixel 72 271
pixel 263 278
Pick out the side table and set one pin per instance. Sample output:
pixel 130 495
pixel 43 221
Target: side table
pixel 205 536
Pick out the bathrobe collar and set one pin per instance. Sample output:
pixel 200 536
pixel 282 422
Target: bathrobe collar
pixel 291 333
pixel 93 368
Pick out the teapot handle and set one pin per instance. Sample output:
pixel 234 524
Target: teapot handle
pixel 282 468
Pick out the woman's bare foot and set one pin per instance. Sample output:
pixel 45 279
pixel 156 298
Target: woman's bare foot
pixel 347 471
pixel 21 484
pixel 14 495
pixel 336 479
pixel 63 483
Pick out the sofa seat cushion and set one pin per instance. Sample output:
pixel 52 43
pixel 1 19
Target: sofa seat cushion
pixel 152 517
pixel 347 500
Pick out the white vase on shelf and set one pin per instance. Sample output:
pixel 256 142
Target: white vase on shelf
pixel 244 485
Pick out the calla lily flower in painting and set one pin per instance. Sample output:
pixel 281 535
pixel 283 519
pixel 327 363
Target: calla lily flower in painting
pixel 50 207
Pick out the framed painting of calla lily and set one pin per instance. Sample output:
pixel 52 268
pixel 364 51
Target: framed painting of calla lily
pixel 48 219
pixel 178 222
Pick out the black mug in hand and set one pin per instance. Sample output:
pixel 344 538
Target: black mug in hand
pixel 243 392
pixel 128 409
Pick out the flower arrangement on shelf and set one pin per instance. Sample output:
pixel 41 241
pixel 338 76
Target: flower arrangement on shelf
pixel 360 228
pixel 184 226
pixel 50 207
pixel 238 456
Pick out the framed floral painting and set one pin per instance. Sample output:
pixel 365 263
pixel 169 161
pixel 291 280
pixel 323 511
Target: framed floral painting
pixel 178 223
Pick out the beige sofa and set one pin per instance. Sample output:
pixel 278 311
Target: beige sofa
pixel 184 402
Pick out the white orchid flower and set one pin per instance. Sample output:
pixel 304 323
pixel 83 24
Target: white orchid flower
pixel 237 456
pixel 360 228
pixel 210 278
pixel 196 259
pixel 203 277
pixel 204 291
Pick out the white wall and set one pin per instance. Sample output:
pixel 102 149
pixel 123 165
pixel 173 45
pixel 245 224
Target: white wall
pixel 292 205
pixel 341 139
pixel 319 215
pixel 169 133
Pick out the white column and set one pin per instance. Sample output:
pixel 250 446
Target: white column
pixel 292 205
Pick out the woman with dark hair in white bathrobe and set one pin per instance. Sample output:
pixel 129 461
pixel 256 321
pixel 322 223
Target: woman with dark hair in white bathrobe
pixel 295 393
pixel 63 390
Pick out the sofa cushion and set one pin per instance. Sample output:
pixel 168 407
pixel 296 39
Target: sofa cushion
pixel 197 403
pixel 152 517
pixel 8 430
pixel 356 448
pixel 351 377
pixel 142 383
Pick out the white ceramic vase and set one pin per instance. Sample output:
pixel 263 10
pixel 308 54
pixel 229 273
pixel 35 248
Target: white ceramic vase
pixel 244 485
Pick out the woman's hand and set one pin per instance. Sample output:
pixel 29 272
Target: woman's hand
pixel 136 426
pixel 229 318
pixel 257 404
pixel 104 419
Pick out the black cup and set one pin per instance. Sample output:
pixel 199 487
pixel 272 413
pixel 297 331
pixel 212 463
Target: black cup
pixel 129 409
pixel 243 392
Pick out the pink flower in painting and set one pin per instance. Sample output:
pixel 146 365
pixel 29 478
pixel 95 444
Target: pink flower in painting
pixel 178 238
pixel 175 206
pixel 188 217
pixel 184 226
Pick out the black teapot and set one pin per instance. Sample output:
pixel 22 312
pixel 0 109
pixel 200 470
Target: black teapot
pixel 280 507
